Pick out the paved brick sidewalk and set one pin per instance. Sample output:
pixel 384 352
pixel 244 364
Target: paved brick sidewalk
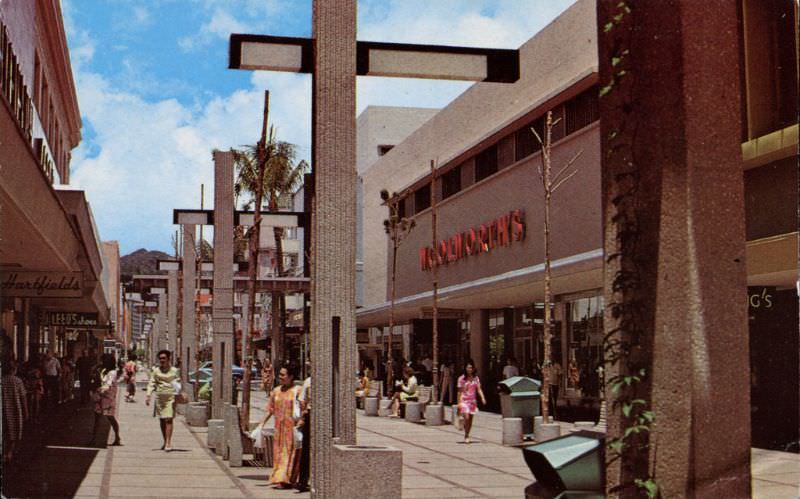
pixel 435 462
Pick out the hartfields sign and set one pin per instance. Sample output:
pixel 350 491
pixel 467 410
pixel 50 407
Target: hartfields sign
pixel 41 284
pixel 484 238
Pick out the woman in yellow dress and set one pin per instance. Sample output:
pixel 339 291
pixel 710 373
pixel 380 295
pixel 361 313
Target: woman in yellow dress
pixel 164 381
pixel 281 404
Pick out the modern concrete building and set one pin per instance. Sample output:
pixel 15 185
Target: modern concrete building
pixel 379 129
pixel 50 257
pixel 490 222
pixel 113 287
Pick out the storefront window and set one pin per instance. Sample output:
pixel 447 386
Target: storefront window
pixel 585 333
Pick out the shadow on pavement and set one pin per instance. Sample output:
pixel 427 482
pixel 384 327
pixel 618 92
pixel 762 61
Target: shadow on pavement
pixel 54 457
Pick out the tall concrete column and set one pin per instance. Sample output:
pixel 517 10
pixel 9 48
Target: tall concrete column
pixel 333 256
pixel 188 309
pixel 172 312
pixel 222 310
pixel 673 210
pixel 479 341
pixel 161 321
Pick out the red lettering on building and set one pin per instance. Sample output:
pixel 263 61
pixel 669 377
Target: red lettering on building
pixel 470 242
pixel 502 231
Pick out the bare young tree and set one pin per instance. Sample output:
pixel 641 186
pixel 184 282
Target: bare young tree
pixel 550 184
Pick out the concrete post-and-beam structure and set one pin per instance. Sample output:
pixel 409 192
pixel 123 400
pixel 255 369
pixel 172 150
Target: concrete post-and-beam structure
pixel 673 209
pixel 172 267
pixel 335 58
pixel 159 328
pixel 188 299
pixel 333 345
pixel 222 311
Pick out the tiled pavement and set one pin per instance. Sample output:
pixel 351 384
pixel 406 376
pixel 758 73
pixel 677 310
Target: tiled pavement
pixel 435 463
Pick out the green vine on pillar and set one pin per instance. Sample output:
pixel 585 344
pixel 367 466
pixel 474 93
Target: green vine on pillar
pixel 625 349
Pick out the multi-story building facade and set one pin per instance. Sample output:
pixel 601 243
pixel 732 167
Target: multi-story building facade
pixel 50 257
pixel 490 218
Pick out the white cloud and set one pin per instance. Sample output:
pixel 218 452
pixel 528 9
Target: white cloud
pixel 141 15
pixel 150 155
pixel 220 26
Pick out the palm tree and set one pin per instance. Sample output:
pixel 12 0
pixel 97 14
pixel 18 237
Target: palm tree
pixel 281 177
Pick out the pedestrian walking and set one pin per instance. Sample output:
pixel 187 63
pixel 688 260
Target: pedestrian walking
pixel 267 376
pixel 34 386
pixel 511 369
pixel 556 374
pixel 130 378
pixel 105 397
pixel 85 366
pixel 283 403
pixel 469 387
pixel 67 378
pixel 15 409
pixel 446 382
pixel 164 383
pixel 52 375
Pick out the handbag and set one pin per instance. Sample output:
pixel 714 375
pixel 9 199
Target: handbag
pixel 297 414
pixel 180 398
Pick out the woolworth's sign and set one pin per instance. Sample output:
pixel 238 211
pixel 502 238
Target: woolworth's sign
pixel 41 284
pixel 484 238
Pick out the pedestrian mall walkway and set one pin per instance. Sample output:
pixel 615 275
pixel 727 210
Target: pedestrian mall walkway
pixel 435 462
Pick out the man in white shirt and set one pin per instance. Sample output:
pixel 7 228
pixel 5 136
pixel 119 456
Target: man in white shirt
pixel 52 373
pixel 510 370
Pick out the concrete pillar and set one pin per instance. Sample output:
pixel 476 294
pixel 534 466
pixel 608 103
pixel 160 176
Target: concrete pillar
pixel 673 210
pixel 189 265
pixel 172 312
pixel 160 328
pixel 222 311
pixel 478 341
pixel 334 238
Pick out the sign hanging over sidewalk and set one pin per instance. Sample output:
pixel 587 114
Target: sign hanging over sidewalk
pixel 41 284
pixel 72 319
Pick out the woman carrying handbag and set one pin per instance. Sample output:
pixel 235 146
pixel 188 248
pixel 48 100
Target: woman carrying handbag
pixel 164 382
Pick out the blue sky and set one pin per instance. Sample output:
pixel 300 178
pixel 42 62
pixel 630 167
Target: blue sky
pixel 156 96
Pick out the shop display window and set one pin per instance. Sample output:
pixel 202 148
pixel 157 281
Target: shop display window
pixel 585 333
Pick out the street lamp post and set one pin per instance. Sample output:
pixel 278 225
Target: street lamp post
pixel 397 228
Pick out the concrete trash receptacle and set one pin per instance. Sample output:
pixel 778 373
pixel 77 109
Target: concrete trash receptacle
pixel 216 427
pixel 366 471
pixel 413 412
pixel 371 406
pixel 575 462
pixel 512 431
pixel 434 415
pixel 520 398
pixel 197 414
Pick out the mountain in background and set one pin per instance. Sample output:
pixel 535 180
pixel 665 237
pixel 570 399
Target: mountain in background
pixel 141 261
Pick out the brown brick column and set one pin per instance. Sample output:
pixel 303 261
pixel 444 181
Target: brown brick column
pixel 673 212
pixel 222 309
pixel 334 237
pixel 187 313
